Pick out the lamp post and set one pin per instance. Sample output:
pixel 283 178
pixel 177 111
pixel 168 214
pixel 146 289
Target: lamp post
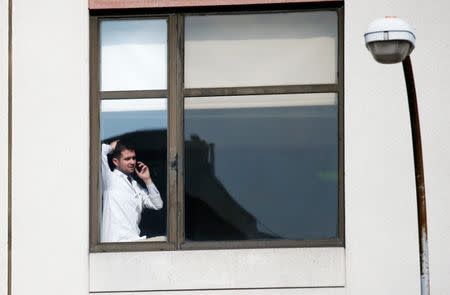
pixel 391 40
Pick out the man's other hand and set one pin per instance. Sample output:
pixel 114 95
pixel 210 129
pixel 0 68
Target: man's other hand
pixel 113 144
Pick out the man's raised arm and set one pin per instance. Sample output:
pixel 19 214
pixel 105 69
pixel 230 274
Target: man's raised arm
pixel 106 149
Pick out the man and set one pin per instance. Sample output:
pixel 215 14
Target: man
pixel 123 197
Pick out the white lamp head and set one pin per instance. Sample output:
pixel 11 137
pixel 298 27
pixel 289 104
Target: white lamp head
pixel 390 39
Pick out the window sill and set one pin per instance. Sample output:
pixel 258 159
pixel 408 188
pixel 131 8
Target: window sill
pixel 217 269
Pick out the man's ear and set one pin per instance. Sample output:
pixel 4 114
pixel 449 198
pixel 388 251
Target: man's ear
pixel 115 162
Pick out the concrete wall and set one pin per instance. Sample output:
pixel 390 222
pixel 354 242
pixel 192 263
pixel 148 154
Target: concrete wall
pixel 3 145
pixel 51 166
pixel 50 170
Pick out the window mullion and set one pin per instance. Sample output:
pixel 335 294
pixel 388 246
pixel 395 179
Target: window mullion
pixel 341 229
pixel 95 202
pixel 180 125
pixel 133 94
pixel 172 142
pixel 175 154
pixel 261 90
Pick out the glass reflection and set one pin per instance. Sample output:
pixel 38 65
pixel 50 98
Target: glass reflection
pixel 261 167
pixel 133 54
pixel 261 49
pixel 128 215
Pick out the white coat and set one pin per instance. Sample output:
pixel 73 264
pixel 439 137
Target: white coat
pixel 123 203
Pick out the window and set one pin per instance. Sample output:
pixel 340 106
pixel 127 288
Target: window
pixel 239 116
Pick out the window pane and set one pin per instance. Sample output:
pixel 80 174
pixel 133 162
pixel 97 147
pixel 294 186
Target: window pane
pixel 133 54
pixel 261 49
pixel 261 167
pixel 132 209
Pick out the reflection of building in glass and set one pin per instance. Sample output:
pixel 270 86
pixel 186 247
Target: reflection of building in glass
pixel 276 157
pixel 211 212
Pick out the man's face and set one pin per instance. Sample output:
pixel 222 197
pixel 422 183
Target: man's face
pixel 127 161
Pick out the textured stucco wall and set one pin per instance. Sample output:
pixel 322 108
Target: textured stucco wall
pixel 50 171
pixel 3 145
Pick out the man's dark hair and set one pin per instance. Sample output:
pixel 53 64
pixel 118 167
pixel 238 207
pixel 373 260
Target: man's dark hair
pixel 121 146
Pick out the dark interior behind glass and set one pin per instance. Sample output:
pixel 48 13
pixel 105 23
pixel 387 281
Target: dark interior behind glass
pixel 147 130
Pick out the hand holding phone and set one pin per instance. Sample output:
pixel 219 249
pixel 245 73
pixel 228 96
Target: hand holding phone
pixel 143 172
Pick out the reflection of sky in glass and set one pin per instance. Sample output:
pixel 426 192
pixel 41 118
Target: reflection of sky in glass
pixel 133 54
pixel 128 115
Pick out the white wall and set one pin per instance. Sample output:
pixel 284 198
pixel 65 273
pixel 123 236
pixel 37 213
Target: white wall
pixel 50 147
pixel 3 145
pixel 50 152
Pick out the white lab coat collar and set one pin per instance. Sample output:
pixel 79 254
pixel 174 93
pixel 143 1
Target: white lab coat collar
pixel 121 174
pixel 124 177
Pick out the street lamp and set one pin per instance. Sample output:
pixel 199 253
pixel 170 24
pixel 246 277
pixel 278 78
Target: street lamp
pixel 391 40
